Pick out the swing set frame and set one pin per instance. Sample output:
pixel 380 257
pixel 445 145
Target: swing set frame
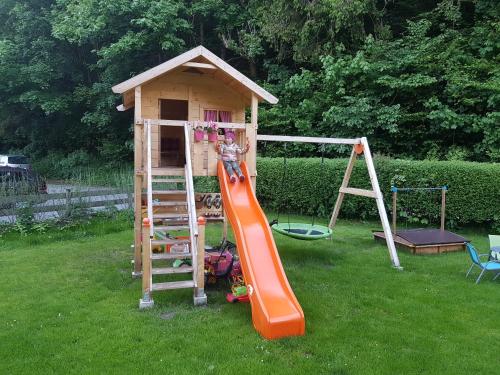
pixel 359 147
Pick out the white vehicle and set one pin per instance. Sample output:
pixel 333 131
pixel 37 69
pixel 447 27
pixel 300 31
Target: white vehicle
pixel 14 161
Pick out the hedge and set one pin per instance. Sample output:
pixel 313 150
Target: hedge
pixel 311 187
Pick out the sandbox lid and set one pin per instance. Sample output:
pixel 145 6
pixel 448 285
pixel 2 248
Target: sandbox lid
pixel 421 236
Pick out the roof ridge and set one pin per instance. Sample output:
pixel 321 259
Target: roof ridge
pixel 187 56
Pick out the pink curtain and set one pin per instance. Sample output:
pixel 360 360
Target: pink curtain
pixel 210 115
pixel 225 116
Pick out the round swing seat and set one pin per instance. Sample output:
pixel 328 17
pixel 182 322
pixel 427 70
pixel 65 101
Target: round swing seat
pixel 302 231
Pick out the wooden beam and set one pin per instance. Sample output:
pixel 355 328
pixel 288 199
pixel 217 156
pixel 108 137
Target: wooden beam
pixel 380 204
pixel 138 104
pixel 129 99
pixel 225 225
pixel 254 110
pixel 287 138
pixel 356 191
pixel 443 207
pixel 394 210
pixel 251 135
pixel 138 181
pixel 147 280
pixel 200 257
pixel 192 64
pixel 221 125
pixel 345 183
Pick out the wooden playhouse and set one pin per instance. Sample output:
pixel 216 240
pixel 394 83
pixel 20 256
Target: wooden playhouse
pixel 169 101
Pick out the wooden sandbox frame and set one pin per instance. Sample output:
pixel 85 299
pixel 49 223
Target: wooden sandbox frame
pixel 436 247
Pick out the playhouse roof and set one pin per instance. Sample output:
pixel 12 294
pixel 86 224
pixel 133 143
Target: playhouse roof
pixel 198 58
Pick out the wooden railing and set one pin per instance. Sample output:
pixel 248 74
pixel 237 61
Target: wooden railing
pixel 193 224
pixel 147 124
pixel 220 125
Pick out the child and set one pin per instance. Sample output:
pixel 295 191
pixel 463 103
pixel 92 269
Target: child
pixel 229 150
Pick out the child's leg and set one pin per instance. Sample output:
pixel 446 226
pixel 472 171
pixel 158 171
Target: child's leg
pixel 228 167
pixel 236 167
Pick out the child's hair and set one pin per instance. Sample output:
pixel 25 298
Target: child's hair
pixel 228 134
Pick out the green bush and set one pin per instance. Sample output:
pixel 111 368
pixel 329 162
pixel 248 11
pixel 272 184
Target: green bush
pixel 312 188
pixel 79 167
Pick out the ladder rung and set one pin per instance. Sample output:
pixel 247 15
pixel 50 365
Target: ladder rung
pixel 170 241
pixel 171 227
pixel 173 285
pixel 166 256
pixel 170 203
pixel 169 181
pixel 168 171
pixel 180 217
pixel 158 192
pixel 171 270
pixel 173 222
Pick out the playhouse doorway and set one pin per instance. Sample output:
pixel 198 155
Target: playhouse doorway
pixel 172 146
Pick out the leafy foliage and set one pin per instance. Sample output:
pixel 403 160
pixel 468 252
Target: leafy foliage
pixel 421 79
pixel 431 93
pixel 310 187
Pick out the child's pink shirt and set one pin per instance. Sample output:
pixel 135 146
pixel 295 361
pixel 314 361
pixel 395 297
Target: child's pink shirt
pixel 229 152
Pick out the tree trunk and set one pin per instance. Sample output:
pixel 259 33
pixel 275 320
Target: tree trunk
pixel 253 68
pixel 201 33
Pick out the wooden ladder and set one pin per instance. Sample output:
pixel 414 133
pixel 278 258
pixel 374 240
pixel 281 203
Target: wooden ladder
pixel 170 210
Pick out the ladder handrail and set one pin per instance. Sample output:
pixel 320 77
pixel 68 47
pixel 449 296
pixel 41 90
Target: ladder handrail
pixel 193 224
pixel 189 178
pixel 147 123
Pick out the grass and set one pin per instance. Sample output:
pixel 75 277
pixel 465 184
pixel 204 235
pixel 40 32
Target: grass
pixel 69 305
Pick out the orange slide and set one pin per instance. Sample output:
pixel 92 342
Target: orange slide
pixel 275 310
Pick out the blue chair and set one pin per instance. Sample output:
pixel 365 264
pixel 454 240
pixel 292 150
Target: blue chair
pixel 494 246
pixel 491 265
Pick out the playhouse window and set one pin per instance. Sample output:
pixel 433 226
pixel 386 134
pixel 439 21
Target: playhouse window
pixel 171 109
pixel 216 115
pixel 225 116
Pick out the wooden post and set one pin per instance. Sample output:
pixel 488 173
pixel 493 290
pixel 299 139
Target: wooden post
pixel 147 280
pixel 224 224
pixel 345 183
pixel 443 206
pixel 200 297
pixel 394 209
pixel 138 181
pixel 380 204
pixel 68 202
pixel 251 134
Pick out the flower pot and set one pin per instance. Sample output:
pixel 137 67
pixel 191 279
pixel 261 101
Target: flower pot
pixel 212 137
pixel 198 135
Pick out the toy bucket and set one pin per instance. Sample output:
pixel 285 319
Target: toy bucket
pixel 198 135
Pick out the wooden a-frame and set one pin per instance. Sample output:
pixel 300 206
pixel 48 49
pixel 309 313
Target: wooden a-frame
pixel 359 146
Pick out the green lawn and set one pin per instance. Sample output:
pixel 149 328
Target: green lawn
pixel 69 305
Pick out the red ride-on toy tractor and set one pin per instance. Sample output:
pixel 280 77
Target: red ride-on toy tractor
pixel 219 261
pixel 223 263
